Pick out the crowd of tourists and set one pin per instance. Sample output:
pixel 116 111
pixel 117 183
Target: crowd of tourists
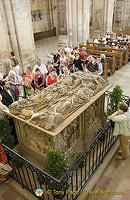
pixel 59 64
pixel 113 41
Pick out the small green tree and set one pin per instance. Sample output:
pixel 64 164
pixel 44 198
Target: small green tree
pixel 56 163
pixel 115 98
pixel 5 133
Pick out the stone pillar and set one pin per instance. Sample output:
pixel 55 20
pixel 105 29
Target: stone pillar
pixel 86 19
pixel 69 21
pixel 80 21
pixel 74 22
pixel 24 31
pixel 108 16
pixel 62 23
pixel 121 15
pixel 97 17
pixel 102 16
pixel 126 15
pixel 77 15
pixel 17 27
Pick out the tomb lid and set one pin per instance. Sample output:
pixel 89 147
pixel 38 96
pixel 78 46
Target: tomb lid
pixel 55 107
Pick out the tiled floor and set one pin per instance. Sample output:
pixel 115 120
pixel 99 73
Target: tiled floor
pixel 117 176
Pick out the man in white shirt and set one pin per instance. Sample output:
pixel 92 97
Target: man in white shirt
pixel 68 49
pixel 40 66
pixel 96 40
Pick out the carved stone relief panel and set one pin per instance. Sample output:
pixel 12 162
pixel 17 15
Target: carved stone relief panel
pixel 93 116
pixel 69 136
pixel 35 139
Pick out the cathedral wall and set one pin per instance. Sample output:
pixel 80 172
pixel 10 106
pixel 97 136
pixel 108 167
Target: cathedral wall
pixel 44 15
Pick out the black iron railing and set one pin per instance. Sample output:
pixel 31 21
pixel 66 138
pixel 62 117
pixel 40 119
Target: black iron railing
pixel 77 176
pixel 74 180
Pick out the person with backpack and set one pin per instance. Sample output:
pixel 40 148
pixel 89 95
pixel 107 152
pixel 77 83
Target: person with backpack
pixel 121 128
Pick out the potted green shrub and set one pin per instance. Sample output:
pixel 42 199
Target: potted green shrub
pixel 115 97
pixel 56 165
pixel 5 133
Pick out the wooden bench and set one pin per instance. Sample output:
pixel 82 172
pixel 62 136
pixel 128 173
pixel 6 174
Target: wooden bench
pixel 125 52
pixel 118 56
pixel 108 65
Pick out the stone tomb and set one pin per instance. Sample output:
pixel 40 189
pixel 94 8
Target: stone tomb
pixel 65 115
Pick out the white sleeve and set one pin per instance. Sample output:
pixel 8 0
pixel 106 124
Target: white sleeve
pixel 119 118
pixel 45 69
pixel 100 69
pixel 34 68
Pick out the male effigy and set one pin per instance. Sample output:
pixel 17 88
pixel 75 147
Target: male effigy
pixel 65 115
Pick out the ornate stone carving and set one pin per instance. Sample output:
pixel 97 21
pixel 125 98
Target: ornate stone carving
pixel 49 107
pixel 35 140
pixel 68 137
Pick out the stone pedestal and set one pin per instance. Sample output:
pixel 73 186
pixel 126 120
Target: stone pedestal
pixel 62 40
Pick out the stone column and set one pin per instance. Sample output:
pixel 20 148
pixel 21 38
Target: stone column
pixel 80 21
pixel 108 16
pixel 77 15
pixel 74 22
pixel 69 21
pixel 24 31
pixel 126 15
pixel 62 23
pixel 17 29
pixel 97 17
pixel 86 19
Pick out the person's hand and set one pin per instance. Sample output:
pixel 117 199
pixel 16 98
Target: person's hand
pixel 120 111
pixel 117 112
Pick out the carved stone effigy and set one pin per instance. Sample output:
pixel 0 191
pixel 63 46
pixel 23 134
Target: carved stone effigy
pixel 65 115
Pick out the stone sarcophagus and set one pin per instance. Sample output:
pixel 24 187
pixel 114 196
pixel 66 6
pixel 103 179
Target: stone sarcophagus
pixel 65 116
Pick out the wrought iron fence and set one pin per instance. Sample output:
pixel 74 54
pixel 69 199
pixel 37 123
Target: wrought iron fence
pixel 77 176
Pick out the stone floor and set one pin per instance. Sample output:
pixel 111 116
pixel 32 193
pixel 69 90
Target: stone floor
pixel 117 175
pixel 116 180
pixel 6 193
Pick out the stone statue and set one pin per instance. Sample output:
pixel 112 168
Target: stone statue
pixel 49 107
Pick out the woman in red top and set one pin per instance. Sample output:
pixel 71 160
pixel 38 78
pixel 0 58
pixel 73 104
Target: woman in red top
pixel 39 79
pixel 51 79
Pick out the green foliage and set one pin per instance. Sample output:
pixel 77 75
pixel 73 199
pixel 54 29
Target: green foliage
pixel 56 163
pixel 115 98
pixel 5 133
